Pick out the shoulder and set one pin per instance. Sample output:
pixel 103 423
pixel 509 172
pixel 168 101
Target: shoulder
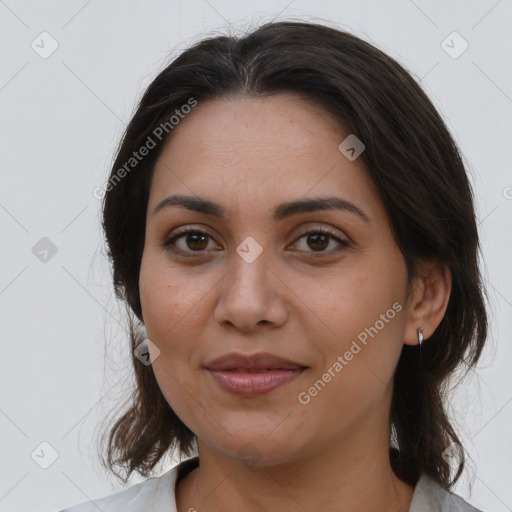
pixel 137 497
pixel 154 494
pixel 429 495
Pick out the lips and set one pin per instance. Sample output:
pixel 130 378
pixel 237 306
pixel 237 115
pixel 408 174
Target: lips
pixel 252 363
pixel 252 375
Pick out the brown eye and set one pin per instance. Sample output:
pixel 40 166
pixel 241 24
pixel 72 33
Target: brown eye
pixel 196 241
pixel 319 239
pixel 191 240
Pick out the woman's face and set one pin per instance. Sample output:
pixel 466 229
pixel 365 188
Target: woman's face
pixel 253 281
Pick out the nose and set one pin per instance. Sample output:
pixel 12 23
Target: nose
pixel 251 295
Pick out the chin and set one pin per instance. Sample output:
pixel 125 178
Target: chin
pixel 258 451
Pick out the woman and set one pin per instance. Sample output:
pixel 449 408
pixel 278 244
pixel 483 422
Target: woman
pixel 292 224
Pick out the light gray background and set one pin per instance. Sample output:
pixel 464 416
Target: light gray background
pixel 64 345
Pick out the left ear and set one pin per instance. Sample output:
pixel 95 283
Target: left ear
pixel 430 293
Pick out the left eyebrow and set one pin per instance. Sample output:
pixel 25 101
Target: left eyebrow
pixel 314 204
pixel 280 212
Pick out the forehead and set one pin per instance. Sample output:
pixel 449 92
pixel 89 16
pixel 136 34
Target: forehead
pixel 267 126
pixel 259 151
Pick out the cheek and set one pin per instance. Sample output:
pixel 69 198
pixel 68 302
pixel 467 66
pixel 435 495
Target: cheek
pixel 358 369
pixel 364 315
pixel 166 295
pixel 353 302
pixel 173 309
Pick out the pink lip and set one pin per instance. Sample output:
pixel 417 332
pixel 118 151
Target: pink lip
pixel 251 383
pixel 258 361
pixel 252 374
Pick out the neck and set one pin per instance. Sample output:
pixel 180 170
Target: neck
pixel 355 476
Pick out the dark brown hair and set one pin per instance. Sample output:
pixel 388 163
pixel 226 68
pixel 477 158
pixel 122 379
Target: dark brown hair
pixel 422 181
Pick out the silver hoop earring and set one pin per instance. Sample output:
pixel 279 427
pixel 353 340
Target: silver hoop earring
pixel 420 335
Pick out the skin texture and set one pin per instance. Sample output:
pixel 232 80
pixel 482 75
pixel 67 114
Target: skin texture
pixel 249 155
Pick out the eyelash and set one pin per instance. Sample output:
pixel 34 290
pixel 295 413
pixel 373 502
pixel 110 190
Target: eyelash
pixel 170 242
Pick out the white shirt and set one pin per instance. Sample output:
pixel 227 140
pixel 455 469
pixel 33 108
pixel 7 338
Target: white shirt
pixel 157 494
